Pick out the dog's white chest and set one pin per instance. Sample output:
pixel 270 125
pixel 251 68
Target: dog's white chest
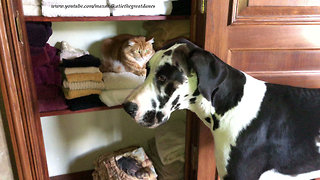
pixel 237 119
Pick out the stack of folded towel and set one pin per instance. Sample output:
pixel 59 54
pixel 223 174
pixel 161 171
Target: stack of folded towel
pixel 45 62
pixel 83 82
pixel 140 7
pixel 167 150
pixel 31 7
pixel 118 86
pixel 79 8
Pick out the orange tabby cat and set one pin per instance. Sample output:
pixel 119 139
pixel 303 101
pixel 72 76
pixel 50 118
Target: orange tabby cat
pixel 126 53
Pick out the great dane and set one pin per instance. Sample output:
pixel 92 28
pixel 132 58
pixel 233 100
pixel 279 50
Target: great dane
pixel 258 127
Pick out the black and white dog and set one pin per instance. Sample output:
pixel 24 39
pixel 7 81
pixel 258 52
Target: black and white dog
pixel 258 127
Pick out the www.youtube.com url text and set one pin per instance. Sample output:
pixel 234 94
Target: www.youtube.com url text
pixel 112 6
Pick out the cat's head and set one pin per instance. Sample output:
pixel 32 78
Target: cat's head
pixel 140 49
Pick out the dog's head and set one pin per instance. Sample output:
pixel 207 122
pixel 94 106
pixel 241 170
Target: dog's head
pixel 175 77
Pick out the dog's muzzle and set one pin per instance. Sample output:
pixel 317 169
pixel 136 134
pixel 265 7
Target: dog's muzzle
pixel 130 108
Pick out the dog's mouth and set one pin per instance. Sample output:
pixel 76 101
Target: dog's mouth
pixel 152 119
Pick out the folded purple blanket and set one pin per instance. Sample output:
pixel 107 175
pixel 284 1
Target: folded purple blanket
pixel 50 98
pixel 39 56
pixel 45 62
pixel 47 76
pixel 83 61
pixel 38 33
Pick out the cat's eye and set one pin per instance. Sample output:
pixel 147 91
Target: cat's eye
pixel 162 78
pixel 146 50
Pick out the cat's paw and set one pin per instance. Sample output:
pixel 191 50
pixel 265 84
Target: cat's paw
pixel 118 67
pixel 142 72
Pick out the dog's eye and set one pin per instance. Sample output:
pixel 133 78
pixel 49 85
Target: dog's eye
pixel 162 78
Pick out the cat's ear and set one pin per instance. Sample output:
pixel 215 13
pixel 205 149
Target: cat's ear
pixel 131 43
pixel 151 41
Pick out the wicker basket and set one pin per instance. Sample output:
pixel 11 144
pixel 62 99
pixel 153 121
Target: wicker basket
pixel 106 167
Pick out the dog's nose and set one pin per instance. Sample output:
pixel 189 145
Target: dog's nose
pixel 131 108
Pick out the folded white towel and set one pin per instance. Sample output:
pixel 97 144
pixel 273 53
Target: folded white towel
pixel 140 7
pixel 70 8
pixel 170 142
pixel 73 2
pixel 123 80
pixel 83 85
pixel 31 2
pixel 69 52
pixel 114 97
pixel 32 10
pixel 76 70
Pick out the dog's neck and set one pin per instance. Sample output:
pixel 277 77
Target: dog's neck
pixel 226 126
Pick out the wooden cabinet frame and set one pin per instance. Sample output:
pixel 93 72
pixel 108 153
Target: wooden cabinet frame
pixel 18 91
pixel 19 98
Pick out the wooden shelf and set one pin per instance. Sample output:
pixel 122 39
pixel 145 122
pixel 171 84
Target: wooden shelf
pixel 83 175
pixel 107 18
pixel 67 111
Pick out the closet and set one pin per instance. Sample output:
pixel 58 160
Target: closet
pixel 27 125
pixel 276 41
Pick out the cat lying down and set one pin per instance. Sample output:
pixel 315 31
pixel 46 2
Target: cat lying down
pixel 126 53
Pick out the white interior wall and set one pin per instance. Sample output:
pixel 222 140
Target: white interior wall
pixel 5 166
pixel 73 141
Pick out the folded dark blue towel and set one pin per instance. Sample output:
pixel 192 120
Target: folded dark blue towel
pixel 83 61
pixel 84 102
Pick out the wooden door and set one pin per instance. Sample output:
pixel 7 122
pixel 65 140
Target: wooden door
pixel 273 40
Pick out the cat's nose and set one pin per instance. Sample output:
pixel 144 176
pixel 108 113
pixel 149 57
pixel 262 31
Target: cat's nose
pixel 131 108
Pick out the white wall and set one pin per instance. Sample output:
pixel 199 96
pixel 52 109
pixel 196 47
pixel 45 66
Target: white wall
pixel 5 165
pixel 72 142
pixel 88 35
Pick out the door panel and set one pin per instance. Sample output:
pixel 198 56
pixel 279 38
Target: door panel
pixel 273 40
pixel 275 11
pixel 275 60
pixel 284 3
pixel 274 49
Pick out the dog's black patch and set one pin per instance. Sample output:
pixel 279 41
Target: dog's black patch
pixel 216 122
pixel 148 69
pixel 131 108
pixel 171 74
pixel 196 92
pixel 218 82
pixel 154 104
pixel 229 92
pixel 280 127
pixel 162 100
pixel 169 89
pixel 175 101
pixel 177 106
pixel 207 119
pixel 186 95
pixel 168 53
pixel 148 117
pixel 160 116
pixel 193 100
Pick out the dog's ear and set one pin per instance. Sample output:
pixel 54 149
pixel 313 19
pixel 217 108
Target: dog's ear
pixel 179 58
pixel 210 71
pixel 181 55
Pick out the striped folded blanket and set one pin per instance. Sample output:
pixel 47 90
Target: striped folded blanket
pixel 78 77
pixel 83 85
pixel 76 70
pixel 71 94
